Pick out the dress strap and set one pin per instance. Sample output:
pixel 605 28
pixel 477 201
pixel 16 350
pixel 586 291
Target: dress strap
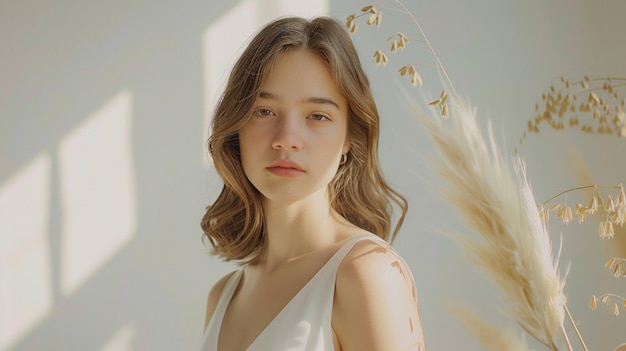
pixel 334 262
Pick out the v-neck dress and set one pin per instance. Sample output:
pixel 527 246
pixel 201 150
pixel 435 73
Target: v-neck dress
pixel 304 324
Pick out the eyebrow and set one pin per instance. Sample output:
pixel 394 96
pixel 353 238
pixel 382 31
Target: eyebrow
pixel 313 99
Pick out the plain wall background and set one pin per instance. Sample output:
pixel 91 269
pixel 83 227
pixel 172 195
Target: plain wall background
pixel 104 107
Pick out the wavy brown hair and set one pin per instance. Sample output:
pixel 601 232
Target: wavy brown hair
pixel 234 225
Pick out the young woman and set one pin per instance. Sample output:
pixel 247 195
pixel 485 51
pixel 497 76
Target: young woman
pixel 304 207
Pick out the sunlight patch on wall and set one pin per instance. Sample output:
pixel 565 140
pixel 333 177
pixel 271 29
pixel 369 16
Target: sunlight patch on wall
pixel 25 266
pixel 97 191
pixel 122 340
pixel 226 39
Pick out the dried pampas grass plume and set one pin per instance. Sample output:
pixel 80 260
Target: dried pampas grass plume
pixel 498 204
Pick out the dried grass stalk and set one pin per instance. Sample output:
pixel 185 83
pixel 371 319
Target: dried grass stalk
pixel 492 337
pixel 498 204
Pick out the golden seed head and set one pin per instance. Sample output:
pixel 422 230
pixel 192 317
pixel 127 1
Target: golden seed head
pixel 610 262
pixel 369 8
pixel 555 207
pixel 601 230
pixel 609 206
pixel 593 303
pixel 617 270
pixel 380 57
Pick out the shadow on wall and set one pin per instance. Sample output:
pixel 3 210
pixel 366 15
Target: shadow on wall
pixel 103 178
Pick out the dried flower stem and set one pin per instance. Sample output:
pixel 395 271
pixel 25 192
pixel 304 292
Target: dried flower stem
pixel 592 105
pixel 375 18
pixel 545 203
pixel 571 319
pixel 566 338
pixel 431 49
pixel 613 295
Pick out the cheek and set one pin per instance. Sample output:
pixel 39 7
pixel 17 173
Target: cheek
pixel 251 136
pixel 246 140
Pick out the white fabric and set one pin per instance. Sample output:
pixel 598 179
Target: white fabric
pixel 304 324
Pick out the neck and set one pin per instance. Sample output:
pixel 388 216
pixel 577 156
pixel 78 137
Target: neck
pixel 297 228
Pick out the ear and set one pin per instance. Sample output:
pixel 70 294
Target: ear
pixel 346 146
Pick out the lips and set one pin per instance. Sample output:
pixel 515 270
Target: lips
pixel 285 168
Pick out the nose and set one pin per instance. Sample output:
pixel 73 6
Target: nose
pixel 287 135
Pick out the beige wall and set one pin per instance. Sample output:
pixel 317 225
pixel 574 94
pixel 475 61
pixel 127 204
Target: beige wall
pixel 103 176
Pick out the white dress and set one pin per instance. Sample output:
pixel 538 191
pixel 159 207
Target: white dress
pixel 304 324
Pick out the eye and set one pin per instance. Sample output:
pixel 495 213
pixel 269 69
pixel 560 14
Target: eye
pixel 319 117
pixel 263 112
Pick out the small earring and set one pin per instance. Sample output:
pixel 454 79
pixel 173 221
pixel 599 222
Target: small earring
pixel 343 159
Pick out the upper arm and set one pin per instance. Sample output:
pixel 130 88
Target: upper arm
pixel 375 301
pixel 214 297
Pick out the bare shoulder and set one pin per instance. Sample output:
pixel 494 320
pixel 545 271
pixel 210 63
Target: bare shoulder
pixel 376 304
pixel 372 262
pixel 371 255
pixel 214 296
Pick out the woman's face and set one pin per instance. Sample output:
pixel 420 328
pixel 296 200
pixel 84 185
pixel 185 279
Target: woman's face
pixel 298 132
